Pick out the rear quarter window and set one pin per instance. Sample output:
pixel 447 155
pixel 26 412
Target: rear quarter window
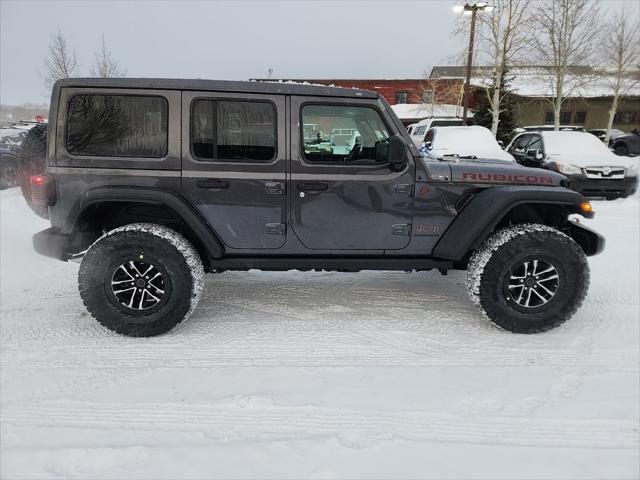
pixel 117 126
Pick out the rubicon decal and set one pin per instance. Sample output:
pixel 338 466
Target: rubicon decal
pixel 506 178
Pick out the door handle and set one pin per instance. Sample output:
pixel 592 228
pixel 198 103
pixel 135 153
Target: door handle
pixel 212 183
pixel 313 187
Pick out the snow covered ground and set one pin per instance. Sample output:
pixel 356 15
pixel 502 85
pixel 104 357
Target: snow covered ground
pixel 319 375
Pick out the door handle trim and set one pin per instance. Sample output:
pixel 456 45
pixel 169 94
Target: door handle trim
pixel 212 183
pixel 313 187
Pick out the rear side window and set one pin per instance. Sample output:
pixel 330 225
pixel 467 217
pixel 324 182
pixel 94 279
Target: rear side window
pixel 233 130
pixel 117 126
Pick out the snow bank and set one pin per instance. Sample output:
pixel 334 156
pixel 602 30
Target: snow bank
pixel 318 375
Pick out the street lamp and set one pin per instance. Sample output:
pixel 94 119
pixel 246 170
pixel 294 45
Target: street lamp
pixel 470 9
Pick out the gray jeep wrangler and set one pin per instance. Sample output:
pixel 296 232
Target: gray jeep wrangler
pixel 150 183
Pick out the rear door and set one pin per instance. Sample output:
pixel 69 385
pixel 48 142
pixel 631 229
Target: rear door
pixel 233 162
pixel 343 194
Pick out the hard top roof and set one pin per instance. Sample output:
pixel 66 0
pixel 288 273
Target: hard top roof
pixel 273 88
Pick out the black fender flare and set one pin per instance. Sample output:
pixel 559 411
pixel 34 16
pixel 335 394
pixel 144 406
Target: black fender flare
pixel 166 198
pixel 481 215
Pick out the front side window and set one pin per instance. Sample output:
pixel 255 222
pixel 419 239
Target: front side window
pixel 344 134
pixel 117 126
pixel 520 143
pixel 234 130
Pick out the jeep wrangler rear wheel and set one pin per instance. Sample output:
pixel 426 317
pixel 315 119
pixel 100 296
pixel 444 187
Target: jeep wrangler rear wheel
pixel 528 278
pixel 141 279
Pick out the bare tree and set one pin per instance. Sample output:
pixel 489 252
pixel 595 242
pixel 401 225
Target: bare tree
pixel 620 50
pixel 61 62
pixel 503 39
pixel 105 65
pixel 566 32
pixel 435 91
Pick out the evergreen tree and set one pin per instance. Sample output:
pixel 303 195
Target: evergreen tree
pixel 483 115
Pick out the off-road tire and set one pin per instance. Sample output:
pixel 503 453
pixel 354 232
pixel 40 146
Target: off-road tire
pixel 172 256
pixel 32 161
pixel 621 150
pixel 490 274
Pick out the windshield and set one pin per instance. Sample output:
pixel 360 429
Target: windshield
pixel 573 142
pixel 462 140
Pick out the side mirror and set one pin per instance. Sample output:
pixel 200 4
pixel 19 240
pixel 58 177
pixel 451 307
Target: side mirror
pixel 397 153
pixel 427 145
pixel 534 155
pixel 501 143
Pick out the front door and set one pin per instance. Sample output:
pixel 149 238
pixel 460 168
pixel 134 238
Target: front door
pixel 233 162
pixel 343 194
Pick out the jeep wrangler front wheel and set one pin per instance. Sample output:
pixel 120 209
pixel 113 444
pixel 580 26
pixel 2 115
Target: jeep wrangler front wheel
pixel 528 278
pixel 141 279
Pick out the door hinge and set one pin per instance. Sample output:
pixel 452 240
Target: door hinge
pixel 403 189
pixel 275 229
pixel 401 229
pixel 274 188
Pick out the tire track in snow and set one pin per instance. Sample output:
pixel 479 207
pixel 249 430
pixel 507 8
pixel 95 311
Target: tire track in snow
pixel 353 428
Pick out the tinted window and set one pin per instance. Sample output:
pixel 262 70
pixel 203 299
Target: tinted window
pixel 520 143
pixel 117 126
pixel 346 134
pixel 234 130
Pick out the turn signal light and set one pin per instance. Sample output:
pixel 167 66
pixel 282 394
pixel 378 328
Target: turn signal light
pixel 586 207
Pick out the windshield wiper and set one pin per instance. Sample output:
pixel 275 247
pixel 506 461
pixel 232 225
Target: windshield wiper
pixel 454 156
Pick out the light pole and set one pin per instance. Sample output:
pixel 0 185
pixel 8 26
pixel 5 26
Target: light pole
pixel 470 9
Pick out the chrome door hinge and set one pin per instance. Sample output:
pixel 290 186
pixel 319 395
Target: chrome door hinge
pixel 274 188
pixel 275 229
pixel 403 189
pixel 401 229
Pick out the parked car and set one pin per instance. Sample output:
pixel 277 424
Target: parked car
pixel 473 142
pixel 155 182
pixel 8 166
pixel 601 133
pixel 10 142
pixel 592 169
pixel 627 144
pixel 419 130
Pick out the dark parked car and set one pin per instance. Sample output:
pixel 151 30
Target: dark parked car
pixel 592 169
pixel 151 182
pixel 628 144
pixel 8 166
pixel 601 133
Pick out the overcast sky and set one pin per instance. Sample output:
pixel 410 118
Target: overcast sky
pixel 227 39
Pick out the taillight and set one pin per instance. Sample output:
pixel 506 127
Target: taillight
pixel 42 191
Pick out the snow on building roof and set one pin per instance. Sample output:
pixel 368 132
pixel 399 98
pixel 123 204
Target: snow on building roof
pixel 534 81
pixel 532 85
pixel 412 111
